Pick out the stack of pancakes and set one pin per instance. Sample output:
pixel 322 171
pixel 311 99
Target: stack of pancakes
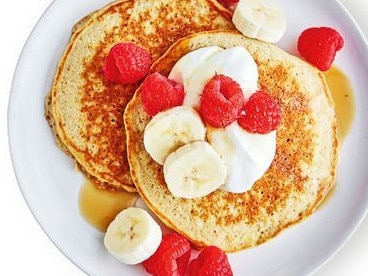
pixel 83 109
pixel 86 114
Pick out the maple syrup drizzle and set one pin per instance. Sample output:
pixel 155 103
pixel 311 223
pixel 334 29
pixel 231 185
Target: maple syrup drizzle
pixel 342 94
pixel 99 207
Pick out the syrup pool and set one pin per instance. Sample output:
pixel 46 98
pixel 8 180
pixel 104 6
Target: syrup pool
pixel 342 94
pixel 99 207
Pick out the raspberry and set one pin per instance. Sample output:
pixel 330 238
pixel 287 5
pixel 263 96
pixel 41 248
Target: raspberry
pixel 126 63
pixel 171 257
pixel 230 4
pixel 319 45
pixel 261 114
pixel 211 261
pixel 221 101
pixel 159 93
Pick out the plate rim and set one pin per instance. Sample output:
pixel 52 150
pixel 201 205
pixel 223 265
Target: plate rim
pixel 11 133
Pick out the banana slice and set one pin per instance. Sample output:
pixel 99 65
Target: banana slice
pixel 260 19
pixel 170 129
pixel 133 236
pixel 194 170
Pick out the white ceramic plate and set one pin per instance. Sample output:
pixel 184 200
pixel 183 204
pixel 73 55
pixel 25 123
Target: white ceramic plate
pixel 51 185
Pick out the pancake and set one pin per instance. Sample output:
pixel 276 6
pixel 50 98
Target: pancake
pixel 87 111
pixel 51 121
pixel 300 176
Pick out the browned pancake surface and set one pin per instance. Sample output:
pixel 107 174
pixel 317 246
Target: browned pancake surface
pixel 299 177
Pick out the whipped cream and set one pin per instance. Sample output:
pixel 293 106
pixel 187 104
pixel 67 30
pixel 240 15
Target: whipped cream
pixel 247 156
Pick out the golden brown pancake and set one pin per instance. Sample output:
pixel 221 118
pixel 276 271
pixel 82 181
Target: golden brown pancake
pixel 301 174
pixel 86 108
pixel 51 121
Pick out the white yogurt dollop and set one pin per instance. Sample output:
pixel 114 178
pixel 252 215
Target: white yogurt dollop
pixel 247 155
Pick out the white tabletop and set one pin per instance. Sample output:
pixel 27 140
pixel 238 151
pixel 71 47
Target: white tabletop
pixel 24 247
